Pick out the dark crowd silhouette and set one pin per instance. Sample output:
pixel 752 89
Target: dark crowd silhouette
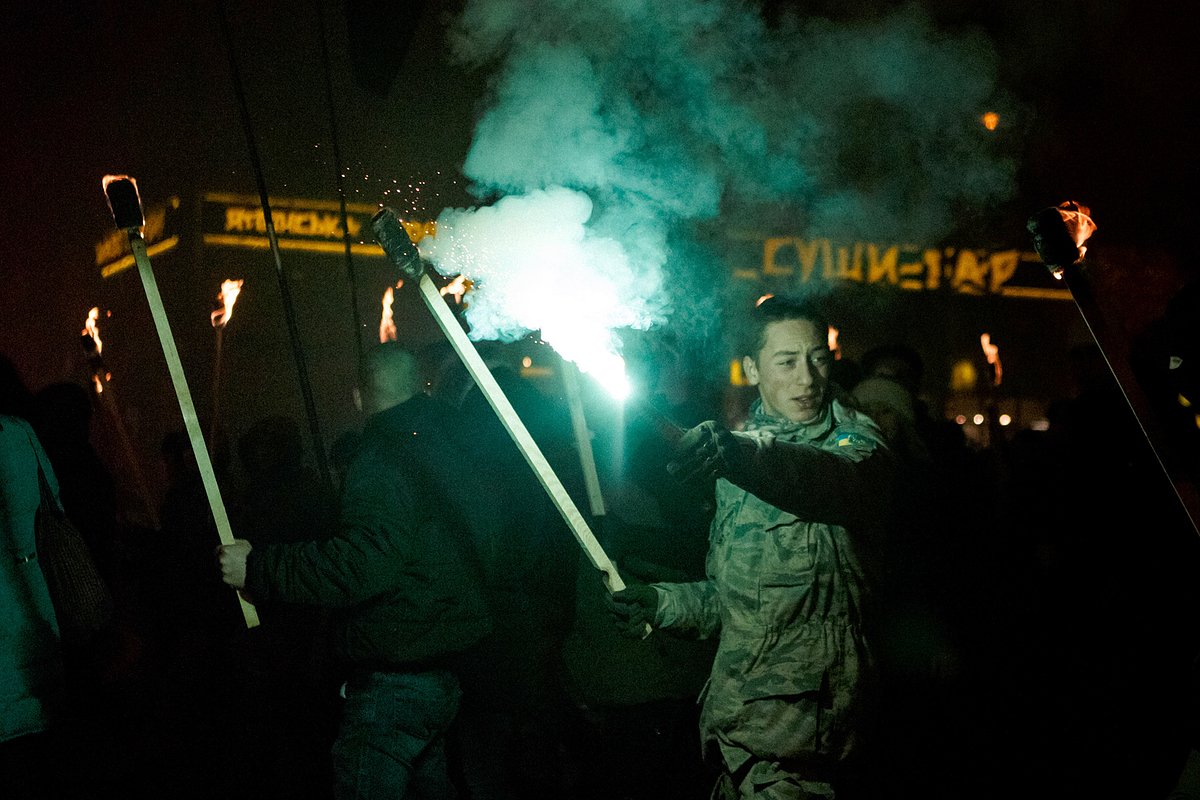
pixel 1038 631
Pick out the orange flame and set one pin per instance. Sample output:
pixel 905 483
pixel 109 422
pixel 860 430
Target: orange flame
pixel 387 324
pixel 833 343
pixel 990 120
pixel 91 328
pixel 993 357
pixel 457 287
pixel 1078 220
pixel 230 289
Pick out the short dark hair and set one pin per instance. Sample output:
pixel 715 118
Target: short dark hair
pixel 903 353
pixel 778 308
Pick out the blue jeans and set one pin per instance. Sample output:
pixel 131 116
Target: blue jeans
pixel 392 740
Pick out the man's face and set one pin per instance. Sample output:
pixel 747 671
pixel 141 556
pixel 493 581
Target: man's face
pixel 791 371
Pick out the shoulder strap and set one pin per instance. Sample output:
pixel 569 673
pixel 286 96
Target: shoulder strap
pixel 43 484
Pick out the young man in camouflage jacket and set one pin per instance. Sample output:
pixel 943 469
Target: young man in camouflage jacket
pixel 800 496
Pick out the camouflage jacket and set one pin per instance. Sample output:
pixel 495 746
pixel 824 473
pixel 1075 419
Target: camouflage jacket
pixel 788 574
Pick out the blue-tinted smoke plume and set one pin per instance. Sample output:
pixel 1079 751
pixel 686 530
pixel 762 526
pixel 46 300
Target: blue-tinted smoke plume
pixel 644 118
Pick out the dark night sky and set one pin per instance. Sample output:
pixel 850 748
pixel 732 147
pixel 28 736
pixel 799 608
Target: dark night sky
pixel 144 88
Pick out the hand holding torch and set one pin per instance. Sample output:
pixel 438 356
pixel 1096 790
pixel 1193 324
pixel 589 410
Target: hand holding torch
pixel 1059 236
pixel 126 207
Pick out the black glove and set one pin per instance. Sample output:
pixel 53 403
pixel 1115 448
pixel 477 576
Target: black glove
pixel 633 608
pixel 709 451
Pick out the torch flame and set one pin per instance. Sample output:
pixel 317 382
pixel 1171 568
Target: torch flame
pixel 1078 220
pixel 230 289
pixel 387 325
pixel 993 357
pixel 990 120
pixel 833 342
pixel 91 328
pixel 457 287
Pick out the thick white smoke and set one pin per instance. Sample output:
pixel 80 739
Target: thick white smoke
pixel 612 126
pixel 539 266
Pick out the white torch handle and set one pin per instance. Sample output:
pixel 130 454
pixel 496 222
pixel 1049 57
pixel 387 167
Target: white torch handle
pixel 207 475
pixel 583 438
pixel 519 433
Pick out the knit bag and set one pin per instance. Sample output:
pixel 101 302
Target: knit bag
pixel 81 599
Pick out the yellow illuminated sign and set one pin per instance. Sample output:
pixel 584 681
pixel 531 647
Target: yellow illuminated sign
pixel 909 267
pixel 313 226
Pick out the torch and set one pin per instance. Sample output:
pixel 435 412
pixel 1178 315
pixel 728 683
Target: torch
pixel 992 353
pixel 93 347
pixel 1059 236
pixel 126 207
pixel 403 253
pixel 230 289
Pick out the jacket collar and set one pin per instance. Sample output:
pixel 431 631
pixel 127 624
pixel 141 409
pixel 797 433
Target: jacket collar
pixel 832 412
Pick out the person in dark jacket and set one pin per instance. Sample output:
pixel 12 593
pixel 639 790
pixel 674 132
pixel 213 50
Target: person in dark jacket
pixel 404 585
pixel 32 684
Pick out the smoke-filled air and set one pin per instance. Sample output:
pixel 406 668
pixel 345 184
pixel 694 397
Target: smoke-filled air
pixel 614 127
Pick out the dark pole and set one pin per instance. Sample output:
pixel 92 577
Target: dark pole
pixel 289 310
pixel 341 187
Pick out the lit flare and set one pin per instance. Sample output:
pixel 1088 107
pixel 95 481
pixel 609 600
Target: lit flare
pixel 538 267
